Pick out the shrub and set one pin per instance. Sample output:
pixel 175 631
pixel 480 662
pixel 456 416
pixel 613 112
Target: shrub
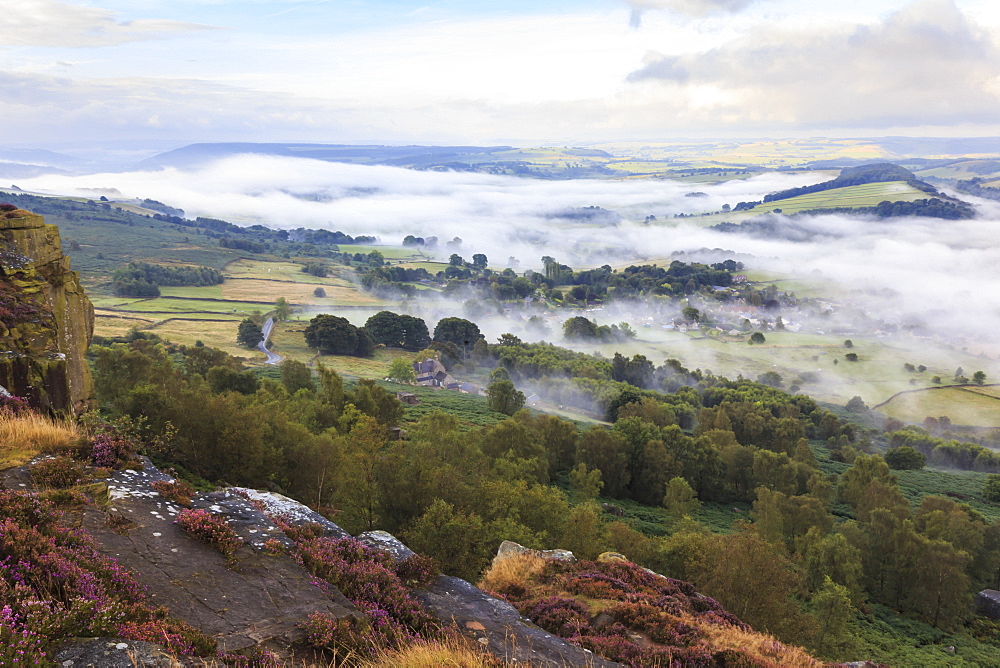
pixel 255 658
pixel 55 584
pixel 367 578
pixel 58 472
pixel 212 529
pixel 110 450
pixel 417 571
pixel 177 491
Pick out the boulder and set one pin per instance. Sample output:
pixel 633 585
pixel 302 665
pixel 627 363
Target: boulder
pixel 499 628
pixel 113 653
pixel 510 548
pixel 289 510
pixel 386 542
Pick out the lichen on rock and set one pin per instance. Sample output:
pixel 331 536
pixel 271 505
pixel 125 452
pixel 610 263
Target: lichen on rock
pixel 46 319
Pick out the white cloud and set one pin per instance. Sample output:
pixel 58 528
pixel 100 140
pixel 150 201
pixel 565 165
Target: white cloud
pixel 51 23
pixel 927 64
pixel 694 7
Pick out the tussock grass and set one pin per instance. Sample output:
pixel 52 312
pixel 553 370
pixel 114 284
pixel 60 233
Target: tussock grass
pixel 518 569
pixel 25 436
pixel 453 653
pixel 768 649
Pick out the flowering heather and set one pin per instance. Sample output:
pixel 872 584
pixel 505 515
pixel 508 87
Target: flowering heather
pixel 258 658
pixel 626 614
pixel 177 491
pixel 417 570
pixel 55 584
pixel 212 529
pixel 110 450
pixel 11 405
pixel 58 473
pixel 367 577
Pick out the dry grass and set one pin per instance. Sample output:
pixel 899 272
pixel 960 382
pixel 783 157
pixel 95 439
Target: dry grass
pixel 759 645
pixel 453 652
pixel 25 436
pixel 517 569
pixel 296 292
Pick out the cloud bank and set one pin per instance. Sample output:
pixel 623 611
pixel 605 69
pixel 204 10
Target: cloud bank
pixel 60 24
pixel 919 272
pixel 927 64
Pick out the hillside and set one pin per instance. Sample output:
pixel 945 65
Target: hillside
pixel 784 511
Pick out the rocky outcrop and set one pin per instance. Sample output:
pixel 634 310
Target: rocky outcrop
pixel 261 601
pixel 499 627
pixel 113 653
pixel 46 320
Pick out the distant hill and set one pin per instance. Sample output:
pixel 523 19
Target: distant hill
pixel 404 156
pixel 557 163
pixel 881 172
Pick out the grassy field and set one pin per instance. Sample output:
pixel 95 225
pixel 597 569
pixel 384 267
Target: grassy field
pixel 220 335
pixel 179 314
pixel 867 195
pixel 877 375
pixel 389 252
pixel 965 406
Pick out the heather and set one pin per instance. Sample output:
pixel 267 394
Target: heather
pixel 55 584
pixel 212 529
pixel 628 614
pixel 370 580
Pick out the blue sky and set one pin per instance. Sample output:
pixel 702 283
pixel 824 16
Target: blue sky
pixel 451 71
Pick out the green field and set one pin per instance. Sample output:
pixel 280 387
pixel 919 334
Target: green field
pixel 964 406
pixel 867 195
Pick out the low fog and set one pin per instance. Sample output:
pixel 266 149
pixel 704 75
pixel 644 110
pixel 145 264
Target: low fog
pixel 922 275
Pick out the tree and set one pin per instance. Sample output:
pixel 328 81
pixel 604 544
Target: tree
pixel 770 378
pixel 904 458
pixel 834 613
pixel 757 337
pixel 991 489
pixel 586 484
pixel 282 309
pixel 319 292
pixel 848 343
pixel 401 371
pixel 249 333
pixel 680 499
pixel 578 327
pixel 979 378
pixel 857 405
pixel 691 314
pixel 456 260
pixel 398 331
pixel 459 332
pixel 851 357
pixel 479 261
pixel 333 335
pixel 296 376
pixel 504 398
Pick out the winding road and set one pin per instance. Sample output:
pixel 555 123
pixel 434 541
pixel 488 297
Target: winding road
pixel 272 358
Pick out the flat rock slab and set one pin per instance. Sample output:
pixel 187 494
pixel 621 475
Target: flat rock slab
pixel 112 653
pixel 262 599
pixel 289 510
pixel 499 627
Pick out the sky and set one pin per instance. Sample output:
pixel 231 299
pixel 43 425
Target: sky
pixel 171 72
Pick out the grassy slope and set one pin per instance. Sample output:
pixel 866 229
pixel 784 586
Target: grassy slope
pixel 867 195
pixel 965 406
